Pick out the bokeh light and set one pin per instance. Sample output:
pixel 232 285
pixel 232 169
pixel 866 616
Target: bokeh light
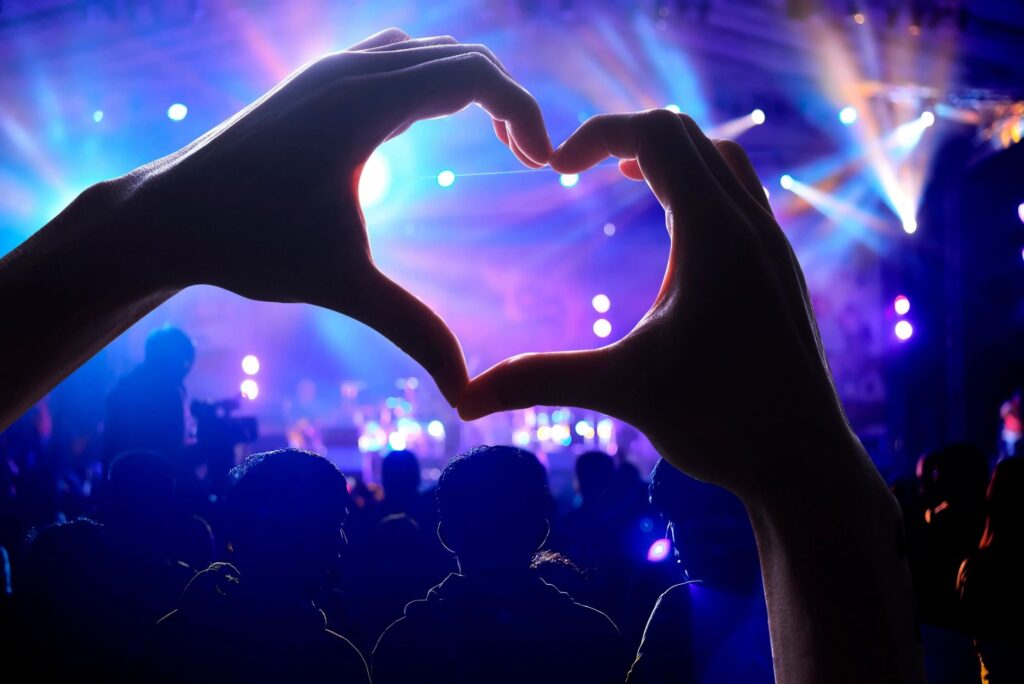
pixel 602 328
pixel 902 305
pixel 97 116
pixel 674 108
pixel 446 178
pixel 659 551
pixel 375 180
pixel 435 429
pixel 569 179
pixel 848 115
pixel 786 182
pixel 601 303
pixel 904 330
pixel 250 364
pixel 609 228
pixel 250 390
pixel 177 112
pixel 757 116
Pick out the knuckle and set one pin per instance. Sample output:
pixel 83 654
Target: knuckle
pixel 660 119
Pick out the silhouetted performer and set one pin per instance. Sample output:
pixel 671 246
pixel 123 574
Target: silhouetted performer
pixel 146 409
pixel 991 581
pixel 254 620
pixel 496 620
pixel 712 628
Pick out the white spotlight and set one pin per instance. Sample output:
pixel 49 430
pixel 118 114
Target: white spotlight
pixel 786 182
pixel 847 115
pixel 446 178
pixel 601 303
pixel 602 328
pixel 569 179
pixel 674 108
pixel 177 112
pixel 757 116
pixel 927 118
pixel 375 180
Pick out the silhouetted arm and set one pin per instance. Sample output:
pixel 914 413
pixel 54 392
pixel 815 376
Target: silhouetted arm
pixel 733 321
pixel 264 205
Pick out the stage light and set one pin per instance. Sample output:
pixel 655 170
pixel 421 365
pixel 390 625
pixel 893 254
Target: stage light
pixel 569 179
pixel 543 433
pixel 250 365
pixel 927 118
pixel 659 551
pixel 374 180
pixel 859 17
pixel 97 116
pixel 847 115
pixel 560 433
pixel 521 438
pixel 396 440
pixel 1020 212
pixel 609 228
pixel 446 178
pixel 601 303
pixel 786 182
pixel 604 429
pixel 904 330
pixel 909 225
pixel 250 390
pixel 902 305
pixel 435 429
pixel 757 116
pixel 602 328
pixel 585 429
pixel 674 108
pixel 177 112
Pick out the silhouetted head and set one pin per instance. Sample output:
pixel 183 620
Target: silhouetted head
pixel 400 476
pixel 140 487
pixel 285 512
pixel 955 475
pixel 1006 503
pixel 170 351
pixel 595 474
pixel 709 527
pixel 493 504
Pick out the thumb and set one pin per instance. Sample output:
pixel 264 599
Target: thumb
pixel 577 378
pixel 417 330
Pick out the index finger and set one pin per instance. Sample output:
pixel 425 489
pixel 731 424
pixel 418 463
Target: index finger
pixel 659 143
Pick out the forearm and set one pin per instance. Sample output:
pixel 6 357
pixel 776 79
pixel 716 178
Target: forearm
pixel 830 538
pixel 70 289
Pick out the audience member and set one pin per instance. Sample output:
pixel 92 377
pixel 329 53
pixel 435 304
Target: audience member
pixel 991 580
pixel 495 620
pixel 712 627
pixel 254 619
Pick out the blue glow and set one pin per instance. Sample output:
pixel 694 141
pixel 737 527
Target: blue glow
pixel 97 116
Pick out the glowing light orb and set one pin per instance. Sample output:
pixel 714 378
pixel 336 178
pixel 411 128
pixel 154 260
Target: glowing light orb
pixel 435 429
pixel 601 303
pixel 375 180
pixel 446 178
pixel 757 116
pixel 859 17
pixel 250 365
pixel 177 112
pixel 609 228
pixel 97 116
pixel 602 328
pixel 569 179
pixel 543 433
pixel 904 330
pixel 250 390
pixel 396 440
pixel 674 108
pixel 604 429
pixel 928 118
pixel 1020 212
pixel 847 115
pixel 910 225
pixel 521 438
pixel 902 305
pixel 767 194
pixel 659 551
pixel 584 429
pixel 786 182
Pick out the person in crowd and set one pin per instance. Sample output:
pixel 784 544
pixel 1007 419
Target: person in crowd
pixel 952 484
pixel 496 620
pixel 990 580
pixel 265 205
pixel 146 409
pixel 254 619
pixel 713 626
pixel 1013 428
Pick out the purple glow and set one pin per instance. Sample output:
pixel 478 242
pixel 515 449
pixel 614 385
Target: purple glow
pixel 659 550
